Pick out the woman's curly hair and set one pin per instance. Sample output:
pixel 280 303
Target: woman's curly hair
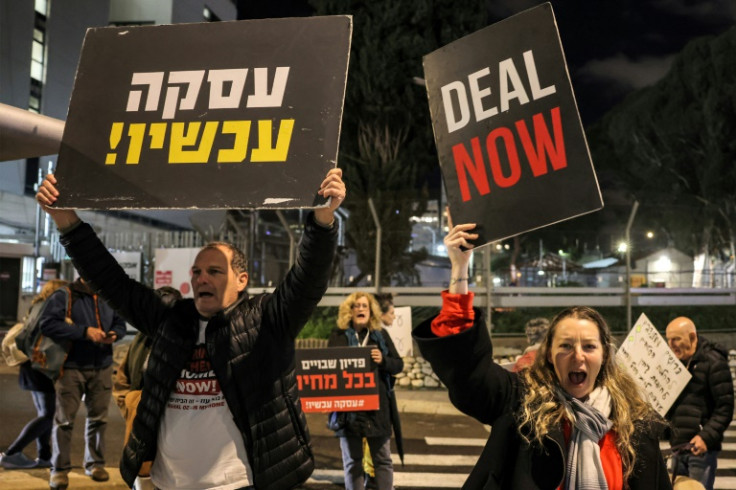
pixel 540 407
pixel 345 312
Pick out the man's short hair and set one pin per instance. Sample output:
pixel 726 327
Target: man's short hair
pixel 536 329
pixel 385 301
pixel 238 262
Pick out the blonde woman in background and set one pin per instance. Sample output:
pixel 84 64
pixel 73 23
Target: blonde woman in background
pixel 44 398
pixel 359 324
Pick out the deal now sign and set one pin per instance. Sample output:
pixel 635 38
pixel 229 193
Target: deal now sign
pixel 510 142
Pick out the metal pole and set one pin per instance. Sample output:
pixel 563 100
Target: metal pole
pixel 290 232
pixel 37 238
pixel 24 134
pixel 378 244
pixel 628 264
pixel 489 285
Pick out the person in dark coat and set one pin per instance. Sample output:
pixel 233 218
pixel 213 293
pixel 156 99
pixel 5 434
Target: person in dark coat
pixel 704 409
pixel 573 419
pixel 219 406
pixel 359 324
pixel 78 317
pixel 44 399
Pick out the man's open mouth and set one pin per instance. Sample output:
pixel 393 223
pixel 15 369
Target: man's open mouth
pixel 577 377
pixel 205 295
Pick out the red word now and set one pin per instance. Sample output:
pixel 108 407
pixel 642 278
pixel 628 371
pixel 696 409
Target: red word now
pixel 538 147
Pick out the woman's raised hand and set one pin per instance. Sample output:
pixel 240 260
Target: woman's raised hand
pixel 458 237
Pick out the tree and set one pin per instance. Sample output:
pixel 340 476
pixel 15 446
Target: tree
pixel 386 147
pixel 671 147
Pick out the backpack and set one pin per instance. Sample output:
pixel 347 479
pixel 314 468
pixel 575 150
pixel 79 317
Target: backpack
pixel 46 355
pixel 13 356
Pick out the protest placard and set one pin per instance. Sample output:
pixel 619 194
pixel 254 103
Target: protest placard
pixel 242 114
pixel 649 360
pixel 400 331
pixel 337 379
pixel 510 142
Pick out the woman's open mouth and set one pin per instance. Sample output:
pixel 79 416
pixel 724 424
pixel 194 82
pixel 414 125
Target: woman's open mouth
pixel 577 377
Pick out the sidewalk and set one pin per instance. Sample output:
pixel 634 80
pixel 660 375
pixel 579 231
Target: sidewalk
pixel 409 401
pixel 433 402
pixel 39 480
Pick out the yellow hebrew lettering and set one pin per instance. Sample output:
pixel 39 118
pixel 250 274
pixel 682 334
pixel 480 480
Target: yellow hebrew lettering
pixel 236 154
pixel 116 134
pixel 266 152
pixel 177 153
pixel 136 132
pixel 157 132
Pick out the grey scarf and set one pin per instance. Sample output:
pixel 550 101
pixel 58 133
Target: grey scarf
pixel 584 470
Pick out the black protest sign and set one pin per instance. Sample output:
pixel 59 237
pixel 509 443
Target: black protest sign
pixel 509 138
pixel 242 114
pixel 337 379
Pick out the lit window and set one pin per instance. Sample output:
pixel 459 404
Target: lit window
pixel 38 35
pixel 34 103
pixel 41 6
pixel 29 270
pixel 37 51
pixel 37 70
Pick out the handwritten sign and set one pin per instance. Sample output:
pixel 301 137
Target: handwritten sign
pixel 509 138
pixel 337 379
pixel 242 114
pixel 400 331
pixel 645 354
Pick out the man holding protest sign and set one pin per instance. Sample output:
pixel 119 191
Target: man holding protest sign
pixel 220 406
pixel 703 411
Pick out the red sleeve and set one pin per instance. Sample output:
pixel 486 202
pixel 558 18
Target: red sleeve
pixel 456 316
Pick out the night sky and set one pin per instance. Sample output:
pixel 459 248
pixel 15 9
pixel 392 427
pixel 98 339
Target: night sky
pixel 614 47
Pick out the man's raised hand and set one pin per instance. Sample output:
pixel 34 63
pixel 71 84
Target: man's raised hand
pixel 46 196
pixel 334 188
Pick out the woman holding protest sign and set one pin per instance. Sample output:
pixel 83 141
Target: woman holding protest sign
pixel 572 420
pixel 44 398
pixel 359 324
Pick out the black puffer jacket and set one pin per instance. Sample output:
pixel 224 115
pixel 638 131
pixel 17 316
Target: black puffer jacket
pixel 250 346
pixel 372 423
pixel 705 406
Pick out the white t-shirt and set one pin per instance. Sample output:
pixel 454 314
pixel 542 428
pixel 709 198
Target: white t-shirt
pixel 199 445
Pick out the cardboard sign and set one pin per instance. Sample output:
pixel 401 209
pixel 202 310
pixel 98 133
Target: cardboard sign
pixel 649 360
pixel 400 331
pixel 242 114
pixel 509 138
pixel 337 379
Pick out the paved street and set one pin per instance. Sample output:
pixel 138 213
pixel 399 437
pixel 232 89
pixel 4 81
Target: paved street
pixel 439 451
pixel 441 446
